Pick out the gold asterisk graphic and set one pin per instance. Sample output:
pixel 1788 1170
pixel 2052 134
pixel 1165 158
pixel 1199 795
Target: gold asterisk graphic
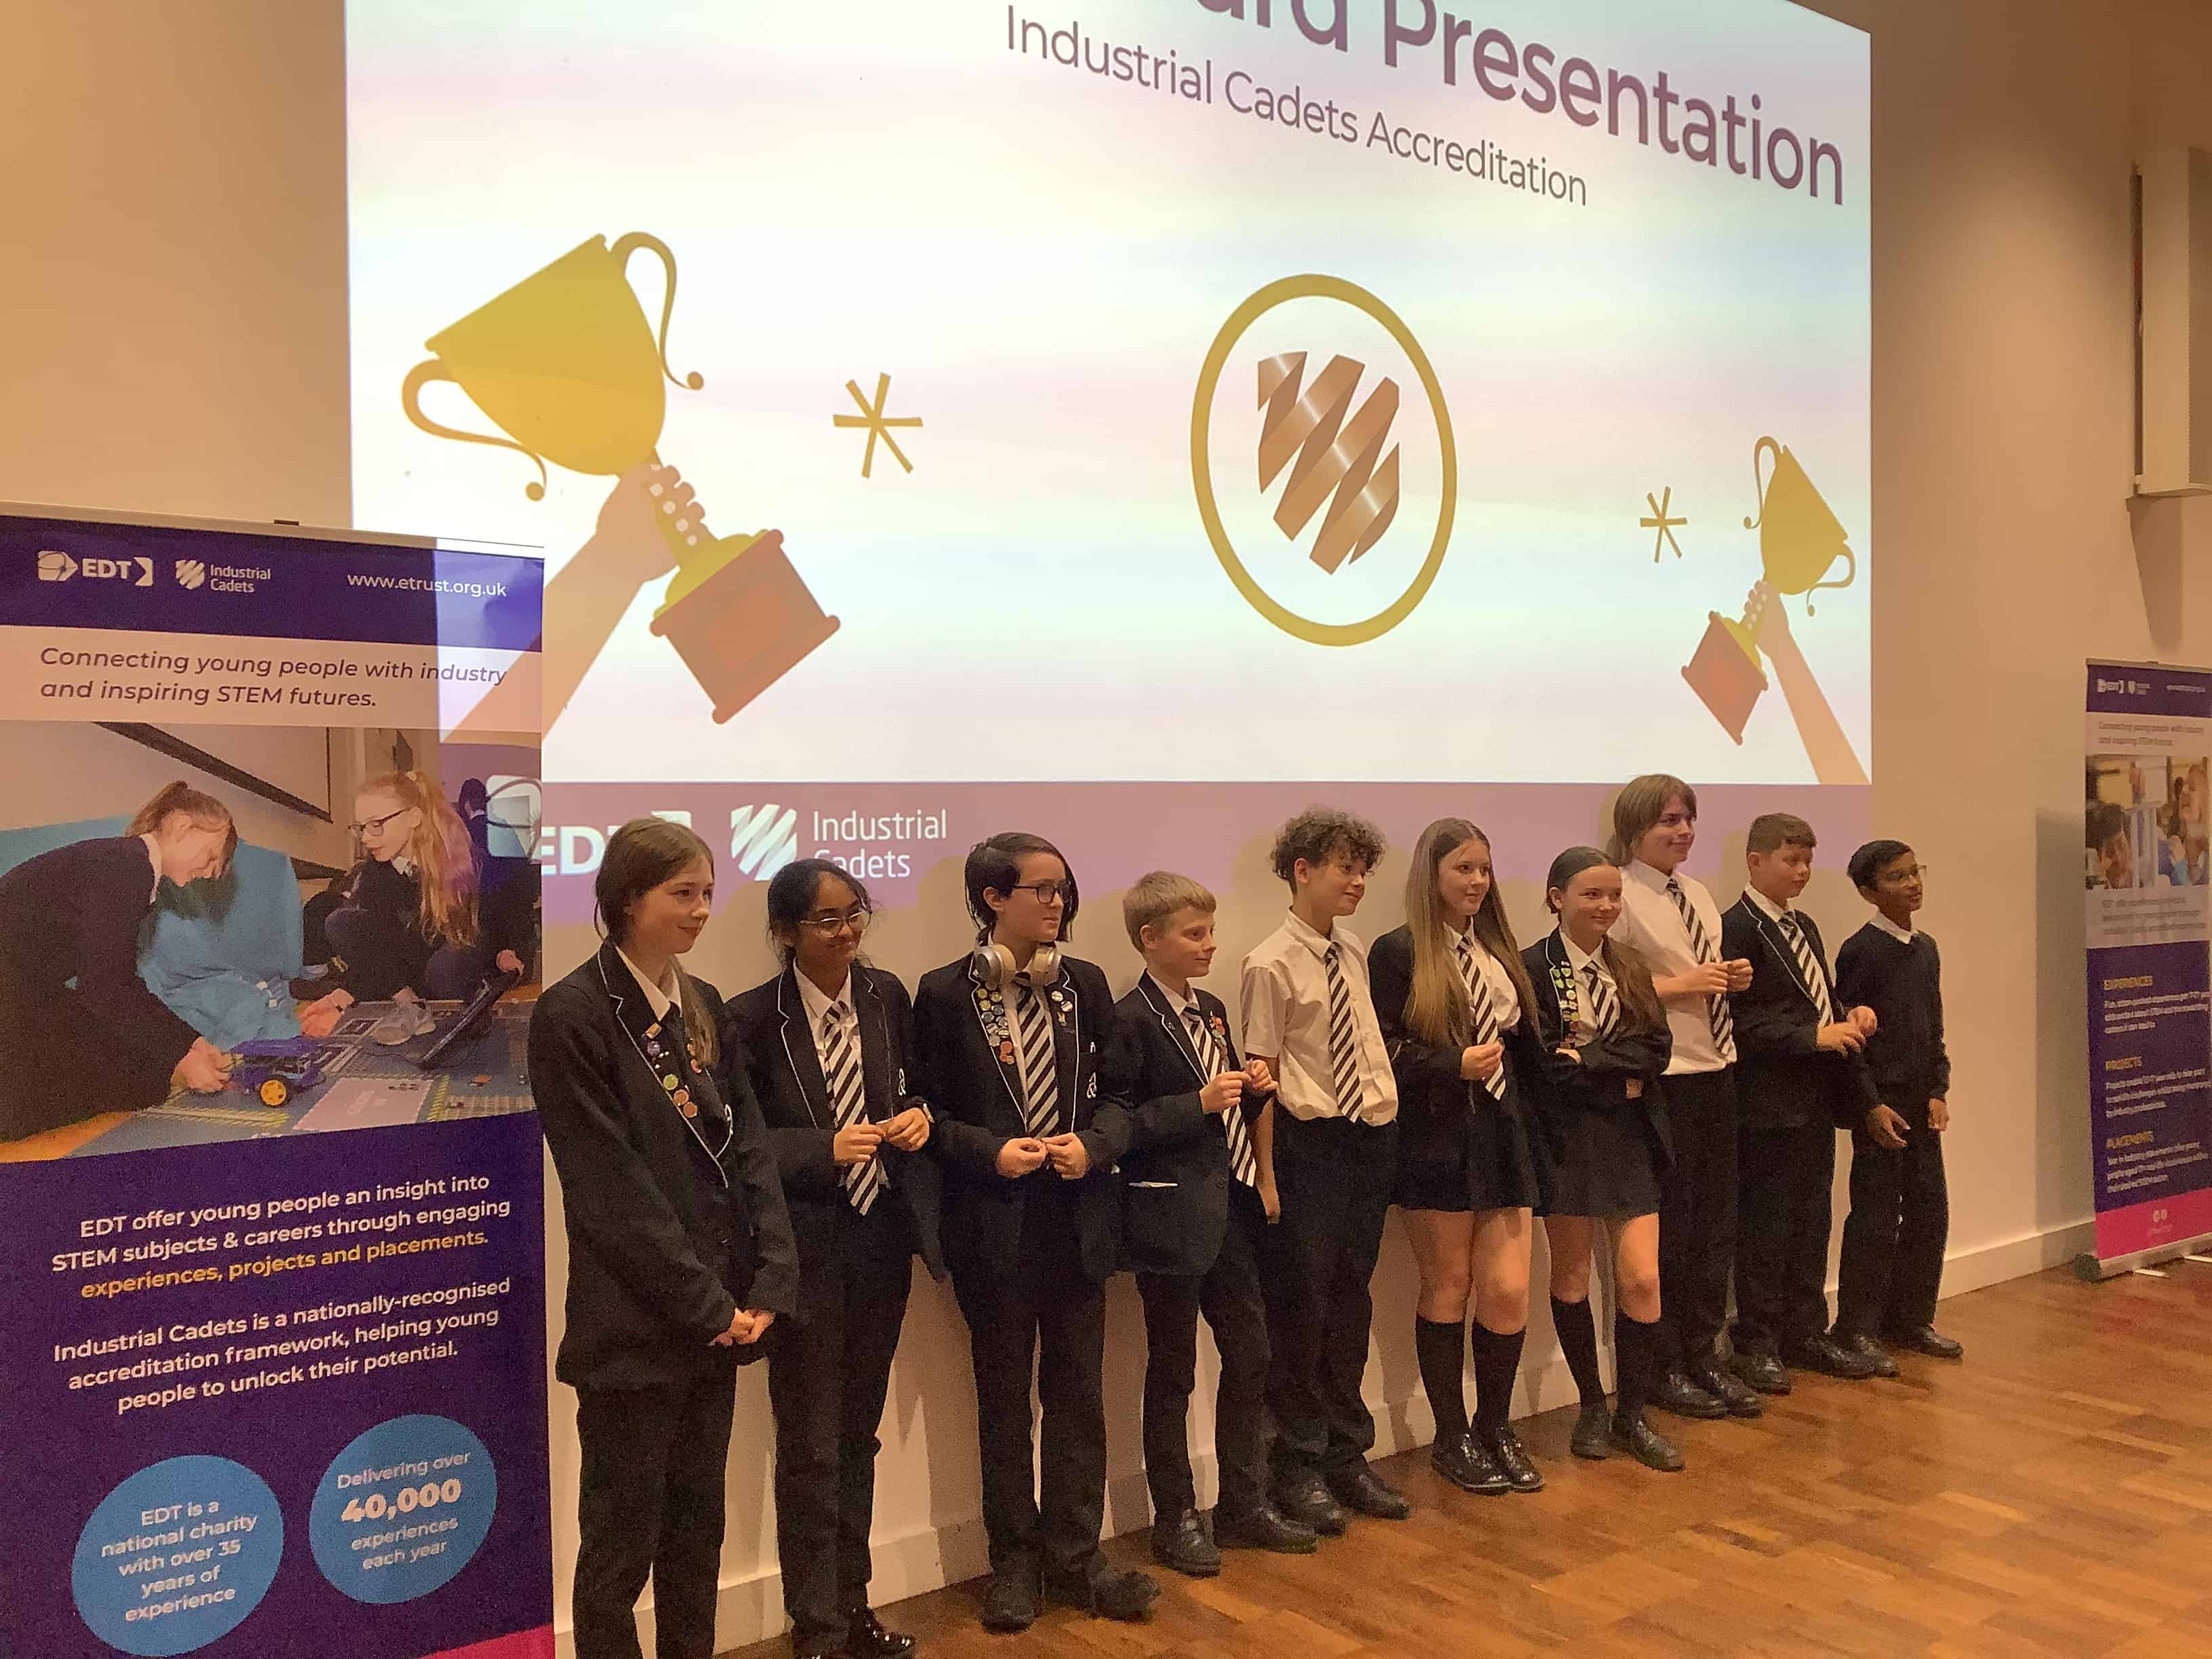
pixel 876 424
pixel 1659 521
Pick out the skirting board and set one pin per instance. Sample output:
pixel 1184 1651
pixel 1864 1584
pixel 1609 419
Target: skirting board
pixel 752 1609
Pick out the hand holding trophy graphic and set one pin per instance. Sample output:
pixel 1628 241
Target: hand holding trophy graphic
pixel 565 364
pixel 1800 540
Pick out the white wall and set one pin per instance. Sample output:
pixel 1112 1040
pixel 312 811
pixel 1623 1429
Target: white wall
pixel 177 345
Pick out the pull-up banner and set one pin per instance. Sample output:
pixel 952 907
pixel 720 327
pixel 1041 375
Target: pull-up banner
pixel 2144 864
pixel 272 1313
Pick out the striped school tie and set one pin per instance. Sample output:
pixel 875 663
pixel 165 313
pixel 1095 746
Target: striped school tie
pixel 1213 1061
pixel 1485 1011
pixel 1808 970
pixel 1040 1067
pixel 1701 946
pixel 864 1183
pixel 1604 1008
pixel 1343 1038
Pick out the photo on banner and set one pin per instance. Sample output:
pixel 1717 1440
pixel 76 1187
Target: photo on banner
pixel 273 1366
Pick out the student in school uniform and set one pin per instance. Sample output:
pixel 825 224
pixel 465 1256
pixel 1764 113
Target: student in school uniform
pixel 1192 1226
pixel 1800 1074
pixel 1670 921
pixel 1900 1216
pixel 1328 1151
pixel 1606 1041
pixel 1452 1000
pixel 1009 1037
pixel 680 1252
pixel 828 1046
pixel 80 1034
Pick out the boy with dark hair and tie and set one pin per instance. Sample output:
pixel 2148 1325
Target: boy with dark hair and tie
pixel 1799 1073
pixel 1327 1154
pixel 1900 1216
pixel 1192 1224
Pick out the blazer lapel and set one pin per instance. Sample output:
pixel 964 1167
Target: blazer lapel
pixel 634 1014
pixel 1171 1023
pixel 1771 931
pixel 1066 1040
pixel 799 1051
pixel 878 1063
pixel 999 1051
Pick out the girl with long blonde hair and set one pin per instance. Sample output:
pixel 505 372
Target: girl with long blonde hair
pixel 1453 1000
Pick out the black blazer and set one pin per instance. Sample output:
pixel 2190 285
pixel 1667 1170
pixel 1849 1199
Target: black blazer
pixel 1598 1081
pixel 1785 1078
pixel 1175 1175
pixel 977 1097
pixel 1433 1098
pixel 673 1223
pixel 768 1026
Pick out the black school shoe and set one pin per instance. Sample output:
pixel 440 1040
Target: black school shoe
pixel 867 1638
pixel 1362 1491
pixel 1468 1464
pixel 1305 1500
pixel 1823 1353
pixel 1265 1528
pixel 1740 1401
pixel 1011 1603
pixel 1763 1371
pixel 1870 1351
pixel 1593 1435
pixel 1680 1395
pixel 1180 1542
pixel 1926 1339
pixel 1645 1445
pixel 1108 1591
pixel 1512 1457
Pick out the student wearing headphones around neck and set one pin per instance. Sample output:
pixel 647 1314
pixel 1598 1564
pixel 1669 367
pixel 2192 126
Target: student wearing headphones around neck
pixel 680 1251
pixel 1009 1037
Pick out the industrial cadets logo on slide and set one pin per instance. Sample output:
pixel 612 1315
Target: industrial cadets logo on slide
pixel 191 573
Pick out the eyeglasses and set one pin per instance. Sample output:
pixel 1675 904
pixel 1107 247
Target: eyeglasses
pixel 1044 892
pixel 375 826
pixel 1901 877
pixel 830 926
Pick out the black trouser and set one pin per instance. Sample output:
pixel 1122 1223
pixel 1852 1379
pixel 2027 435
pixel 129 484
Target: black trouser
pixel 1333 1179
pixel 649 1501
pixel 1894 1236
pixel 1229 1296
pixel 827 1382
pixel 1045 1314
pixel 1697 1214
pixel 1782 1234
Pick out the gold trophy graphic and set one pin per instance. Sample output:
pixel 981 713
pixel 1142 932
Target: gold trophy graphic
pixel 567 366
pixel 1799 541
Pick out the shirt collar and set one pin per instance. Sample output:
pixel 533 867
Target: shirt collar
pixel 1767 904
pixel 1651 875
pixel 1902 935
pixel 816 1003
pixel 1578 959
pixel 1179 1005
pixel 659 997
pixel 1302 931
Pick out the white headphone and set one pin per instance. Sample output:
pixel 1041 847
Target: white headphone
pixel 994 964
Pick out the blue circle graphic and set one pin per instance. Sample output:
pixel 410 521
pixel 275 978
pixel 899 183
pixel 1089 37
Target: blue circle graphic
pixel 402 1509
pixel 177 1555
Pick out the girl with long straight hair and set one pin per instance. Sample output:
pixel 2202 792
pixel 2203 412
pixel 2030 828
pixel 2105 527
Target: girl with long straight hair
pixel 1453 1000
pixel 1607 1042
pixel 680 1252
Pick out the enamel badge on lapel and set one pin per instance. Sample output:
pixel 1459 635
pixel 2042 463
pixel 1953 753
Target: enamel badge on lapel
pixel 1218 1026
pixel 1059 1006
pixel 991 1009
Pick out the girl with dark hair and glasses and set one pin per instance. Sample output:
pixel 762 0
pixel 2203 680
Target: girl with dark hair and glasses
pixel 828 1046
pixel 680 1253
pixel 1010 1037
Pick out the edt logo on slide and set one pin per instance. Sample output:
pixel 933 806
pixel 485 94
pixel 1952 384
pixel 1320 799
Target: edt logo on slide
pixel 58 567
pixel 1337 458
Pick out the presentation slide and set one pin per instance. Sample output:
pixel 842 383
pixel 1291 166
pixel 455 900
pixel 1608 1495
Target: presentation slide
pixel 920 403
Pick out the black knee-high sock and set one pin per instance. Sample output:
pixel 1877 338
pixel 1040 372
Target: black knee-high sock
pixel 1578 1341
pixel 1440 1346
pixel 1497 1364
pixel 1635 1354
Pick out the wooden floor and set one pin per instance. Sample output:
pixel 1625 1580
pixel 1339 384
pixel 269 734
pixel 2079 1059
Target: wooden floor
pixel 2052 1496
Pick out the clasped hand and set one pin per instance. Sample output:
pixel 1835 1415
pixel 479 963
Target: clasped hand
pixel 747 1324
pixel 1069 1157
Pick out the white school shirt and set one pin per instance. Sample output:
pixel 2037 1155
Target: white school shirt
pixel 1286 996
pixel 1650 926
pixel 1504 1000
pixel 1836 1009
pixel 659 997
pixel 817 1008
pixel 1585 1022
pixel 1902 935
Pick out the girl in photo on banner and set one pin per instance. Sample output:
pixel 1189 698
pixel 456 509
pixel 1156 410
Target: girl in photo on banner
pixel 680 1251
pixel 1454 1001
pixel 1606 1041
pixel 411 926
pixel 80 1032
